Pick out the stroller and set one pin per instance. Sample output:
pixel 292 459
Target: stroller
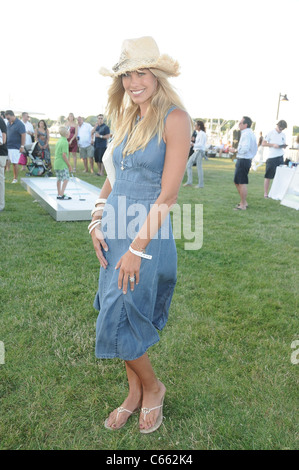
pixel 37 165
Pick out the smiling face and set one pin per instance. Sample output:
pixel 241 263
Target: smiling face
pixel 140 86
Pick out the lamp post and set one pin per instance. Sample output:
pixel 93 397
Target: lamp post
pixel 281 98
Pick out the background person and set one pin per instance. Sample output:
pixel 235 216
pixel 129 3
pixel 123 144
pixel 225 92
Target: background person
pixel 84 141
pixel 275 140
pixel 42 136
pixel 151 146
pixel 62 165
pixel 28 127
pixel 246 151
pixel 72 126
pixel 16 137
pixel 259 159
pixel 101 133
pixel 3 158
pixel 29 132
pixel 199 148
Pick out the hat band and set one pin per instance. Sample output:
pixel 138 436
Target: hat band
pixel 134 64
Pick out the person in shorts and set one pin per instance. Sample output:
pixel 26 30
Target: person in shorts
pixel 247 149
pixel 62 166
pixel 16 136
pixel 86 149
pixel 101 134
pixel 276 141
pixel 3 157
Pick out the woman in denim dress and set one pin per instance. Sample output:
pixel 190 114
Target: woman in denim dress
pixel 134 244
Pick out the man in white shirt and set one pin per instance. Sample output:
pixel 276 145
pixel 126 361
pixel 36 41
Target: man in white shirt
pixel 28 127
pixel 246 151
pixel 84 141
pixel 199 148
pixel 29 132
pixel 276 141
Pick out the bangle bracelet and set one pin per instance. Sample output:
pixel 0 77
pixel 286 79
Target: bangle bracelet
pixel 93 225
pixel 96 209
pixel 100 201
pixel 92 229
pixel 139 253
pixel 93 222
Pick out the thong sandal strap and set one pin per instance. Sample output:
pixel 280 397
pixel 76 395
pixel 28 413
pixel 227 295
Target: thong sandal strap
pixel 121 410
pixel 146 411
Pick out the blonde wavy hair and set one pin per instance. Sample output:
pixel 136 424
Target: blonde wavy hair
pixel 123 112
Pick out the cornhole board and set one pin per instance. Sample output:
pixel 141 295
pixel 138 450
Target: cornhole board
pixel 291 197
pixel 44 190
pixel 280 184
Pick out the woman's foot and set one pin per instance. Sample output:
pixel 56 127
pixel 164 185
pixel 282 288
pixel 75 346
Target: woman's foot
pixel 152 403
pixel 118 418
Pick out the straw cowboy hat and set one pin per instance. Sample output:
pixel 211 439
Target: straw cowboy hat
pixel 142 53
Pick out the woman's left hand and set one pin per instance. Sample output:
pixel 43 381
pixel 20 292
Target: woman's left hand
pixel 129 267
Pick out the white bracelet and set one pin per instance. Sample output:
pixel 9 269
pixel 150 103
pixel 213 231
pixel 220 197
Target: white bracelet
pixel 92 229
pixel 100 201
pixel 139 253
pixel 94 224
pixel 96 209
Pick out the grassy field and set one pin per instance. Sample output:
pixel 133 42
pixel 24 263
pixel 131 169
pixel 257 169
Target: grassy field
pixel 224 356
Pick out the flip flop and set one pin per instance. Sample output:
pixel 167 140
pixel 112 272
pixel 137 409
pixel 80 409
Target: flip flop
pixel 159 420
pixel 119 410
pixel 238 208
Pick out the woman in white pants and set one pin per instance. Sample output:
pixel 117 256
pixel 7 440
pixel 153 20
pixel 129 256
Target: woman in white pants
pixel 198 155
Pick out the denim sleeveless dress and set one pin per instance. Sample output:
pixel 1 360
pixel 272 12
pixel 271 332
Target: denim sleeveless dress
pixel 127 323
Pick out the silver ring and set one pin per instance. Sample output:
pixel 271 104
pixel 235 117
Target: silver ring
pixel 132 279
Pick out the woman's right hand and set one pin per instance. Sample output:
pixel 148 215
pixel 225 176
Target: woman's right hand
pixel 99 245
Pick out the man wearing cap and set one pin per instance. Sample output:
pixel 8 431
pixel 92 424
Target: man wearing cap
pixel 276 141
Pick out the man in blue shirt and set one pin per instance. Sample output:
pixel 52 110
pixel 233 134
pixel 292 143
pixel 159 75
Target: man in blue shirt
pixel 102 133
pixel 16 137
pixel 247 149
pixel 3 157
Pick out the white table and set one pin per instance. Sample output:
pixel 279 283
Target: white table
pixel 281 182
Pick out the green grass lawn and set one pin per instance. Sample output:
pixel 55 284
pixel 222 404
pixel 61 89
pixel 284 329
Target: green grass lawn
pixel 224 356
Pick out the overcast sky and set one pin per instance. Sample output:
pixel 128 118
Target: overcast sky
pixel 236 57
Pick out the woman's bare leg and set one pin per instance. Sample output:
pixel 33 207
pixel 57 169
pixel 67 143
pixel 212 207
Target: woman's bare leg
pixel 153 390
pixel 75 161
pixel 131 403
